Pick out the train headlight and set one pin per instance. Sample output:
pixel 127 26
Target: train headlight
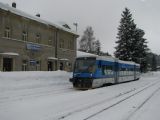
pixel 74 75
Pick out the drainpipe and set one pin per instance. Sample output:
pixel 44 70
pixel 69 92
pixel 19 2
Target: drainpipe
pixel 56 47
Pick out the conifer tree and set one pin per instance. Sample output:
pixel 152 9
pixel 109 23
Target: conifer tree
pixel 154 63
pixel 131 44
pixel 140 49
pixel 125 36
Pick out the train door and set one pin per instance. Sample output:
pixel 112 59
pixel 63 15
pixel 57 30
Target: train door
pixel 116 72
pixel 134 72
pixel 7 64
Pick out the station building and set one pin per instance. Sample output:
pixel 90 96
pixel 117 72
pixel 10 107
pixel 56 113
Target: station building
pixel 28 43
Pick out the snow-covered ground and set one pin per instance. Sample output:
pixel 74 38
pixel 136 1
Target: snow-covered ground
pixel 50 96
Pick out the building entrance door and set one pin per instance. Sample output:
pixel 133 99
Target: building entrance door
pixel 61 66
pixel 50 66
pixel 7 64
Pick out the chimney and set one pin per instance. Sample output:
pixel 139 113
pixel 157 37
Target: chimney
pixel 38 15
pixel 14 5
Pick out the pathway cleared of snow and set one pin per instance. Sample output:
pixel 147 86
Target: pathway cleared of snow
pixel 50 96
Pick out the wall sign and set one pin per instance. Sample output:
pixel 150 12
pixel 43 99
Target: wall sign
pixel 33 47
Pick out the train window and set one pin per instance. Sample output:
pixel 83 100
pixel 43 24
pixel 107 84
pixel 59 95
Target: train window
pixel 103 70
pixel 91 68
pixel 131 71
pixel 99 64
pixel 107 70
pixel 123 71
pixel 85 65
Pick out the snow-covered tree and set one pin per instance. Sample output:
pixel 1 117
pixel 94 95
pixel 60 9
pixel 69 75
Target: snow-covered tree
pixel 152 60
pixel 125 36
pixel 154 63
pixel 131 44
pixel 97 47
pixel 89 44
pixel 87 41
pixel 140 49
pixel 105 54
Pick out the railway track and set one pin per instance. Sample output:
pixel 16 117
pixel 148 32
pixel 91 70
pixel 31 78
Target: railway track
pixel 142 104
pixel 66 103
pixel 125 99
pixel 108 103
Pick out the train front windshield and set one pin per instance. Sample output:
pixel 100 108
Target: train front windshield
pixel 85 65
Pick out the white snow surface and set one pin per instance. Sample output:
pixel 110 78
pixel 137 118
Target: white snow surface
pixel 50 96
pixel 81 54
pixel 10 53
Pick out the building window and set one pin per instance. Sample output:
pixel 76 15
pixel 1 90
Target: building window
pixel 53 42
pixel 61 45
pixel 7 32
pixel 38 38
pixel 24 36
pixel 24 65
pixel 50 41
pixel 71 44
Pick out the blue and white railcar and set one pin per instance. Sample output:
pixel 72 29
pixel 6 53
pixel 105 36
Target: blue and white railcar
pixel 137 71
pixel 104 72
pixel 126 71
pixel 96 71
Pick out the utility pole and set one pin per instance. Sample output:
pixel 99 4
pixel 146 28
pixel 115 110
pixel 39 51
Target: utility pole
pixel 76 25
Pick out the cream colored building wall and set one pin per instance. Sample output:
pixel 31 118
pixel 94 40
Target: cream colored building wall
pixel 15 44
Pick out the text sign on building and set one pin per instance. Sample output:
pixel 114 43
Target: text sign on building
pixel 32 62
pixel 33 47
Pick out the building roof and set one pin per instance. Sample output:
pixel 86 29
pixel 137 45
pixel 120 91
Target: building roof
pixel 13 10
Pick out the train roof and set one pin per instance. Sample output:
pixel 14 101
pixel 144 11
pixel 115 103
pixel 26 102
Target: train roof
pixel 108 58
pixel 84 54
pixel 126 62
pixel 137 64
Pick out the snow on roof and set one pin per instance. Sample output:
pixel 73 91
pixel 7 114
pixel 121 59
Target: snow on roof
pixel 84 54
pixel 9 53
pixel 64 24
pixel 110 58
pixel 126 62
pixel 6 7
pixel 137 64
pixel 64 59
pixel 52 58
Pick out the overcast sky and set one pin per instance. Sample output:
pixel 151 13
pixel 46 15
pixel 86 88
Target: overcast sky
pixel 102 15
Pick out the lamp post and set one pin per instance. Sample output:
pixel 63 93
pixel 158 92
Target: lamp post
pixel 76 25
